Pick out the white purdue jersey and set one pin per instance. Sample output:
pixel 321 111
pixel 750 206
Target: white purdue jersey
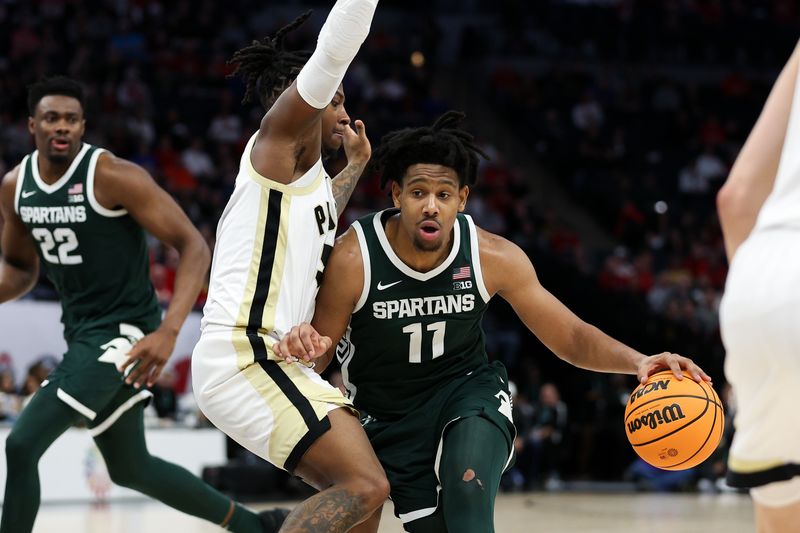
pixel 782 208
pixel 273 241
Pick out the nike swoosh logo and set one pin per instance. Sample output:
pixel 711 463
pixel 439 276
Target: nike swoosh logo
pixel 28 194
pixel 382 287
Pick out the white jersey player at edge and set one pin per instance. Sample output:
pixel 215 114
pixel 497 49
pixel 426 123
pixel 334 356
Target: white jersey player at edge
pixel 759 209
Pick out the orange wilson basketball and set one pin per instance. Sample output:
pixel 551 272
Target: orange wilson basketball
pixel 674 424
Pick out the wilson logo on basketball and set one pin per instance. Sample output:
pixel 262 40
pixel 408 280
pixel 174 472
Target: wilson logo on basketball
pixel 654 386
pixel 653 419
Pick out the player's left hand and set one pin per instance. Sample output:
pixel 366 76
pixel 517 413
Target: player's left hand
pixel 670 361
pixel 356 144
pixel 152 354
pixel 302 343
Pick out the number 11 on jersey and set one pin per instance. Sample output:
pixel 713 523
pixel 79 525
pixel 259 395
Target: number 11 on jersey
pixel 415 342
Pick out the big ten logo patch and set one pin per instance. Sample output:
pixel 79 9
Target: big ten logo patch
pixel 462 285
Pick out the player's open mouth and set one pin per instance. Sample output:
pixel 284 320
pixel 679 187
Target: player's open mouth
pixel 429 231
pixel 59 144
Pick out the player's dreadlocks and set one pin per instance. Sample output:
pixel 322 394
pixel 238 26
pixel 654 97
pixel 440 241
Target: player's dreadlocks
pixel 60 85
pixel 266 68
pixel 445 143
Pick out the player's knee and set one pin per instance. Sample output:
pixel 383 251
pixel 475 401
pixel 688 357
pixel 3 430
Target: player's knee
pixel 19 450
pixel 376 490
pixel 381 488
pixel 128 476
pixel 470 489
pixel 372 489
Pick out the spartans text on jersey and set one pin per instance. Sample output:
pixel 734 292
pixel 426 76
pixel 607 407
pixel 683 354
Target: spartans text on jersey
pixel 430 305
pixel 52 214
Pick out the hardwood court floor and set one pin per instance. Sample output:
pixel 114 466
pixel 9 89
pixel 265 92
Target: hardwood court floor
pixel 518 513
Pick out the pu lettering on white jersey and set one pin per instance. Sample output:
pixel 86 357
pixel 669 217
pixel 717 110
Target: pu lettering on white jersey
pixel 324 218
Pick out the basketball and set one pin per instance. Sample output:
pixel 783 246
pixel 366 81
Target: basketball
pixel 674 424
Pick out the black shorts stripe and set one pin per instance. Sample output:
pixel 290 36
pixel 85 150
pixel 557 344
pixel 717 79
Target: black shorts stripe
pixel 265 265
pixel 288 388
pixel 315 426
pixel 314 432
pixel 763 477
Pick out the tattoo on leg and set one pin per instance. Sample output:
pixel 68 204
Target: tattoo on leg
pixel 334 510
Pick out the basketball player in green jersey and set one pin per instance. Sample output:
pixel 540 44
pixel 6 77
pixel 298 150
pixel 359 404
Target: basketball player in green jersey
pixel 407 288
pixel 84 213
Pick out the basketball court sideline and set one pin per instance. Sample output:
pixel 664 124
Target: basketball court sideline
pixel 514 513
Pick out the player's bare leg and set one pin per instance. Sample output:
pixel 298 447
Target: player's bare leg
pixel 353 485
pixel 370 525
pixel 784 519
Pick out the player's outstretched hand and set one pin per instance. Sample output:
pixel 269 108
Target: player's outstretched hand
pixel 670 361
pixel 302 343
pixel 356 144
pixel 151 353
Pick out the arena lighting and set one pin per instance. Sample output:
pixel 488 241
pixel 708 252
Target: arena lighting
pixel 661 207
pixel 418 59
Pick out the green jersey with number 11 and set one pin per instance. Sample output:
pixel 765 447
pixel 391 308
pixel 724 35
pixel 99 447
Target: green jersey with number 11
pixel 97 258
pixel 412 332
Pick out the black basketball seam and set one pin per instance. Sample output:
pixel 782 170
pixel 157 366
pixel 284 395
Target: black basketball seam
pixel 708 436
pixel 709 400
pixel 715 401
pixel 680 428
pixel 705 409
pixel 669 373
pixel 713 422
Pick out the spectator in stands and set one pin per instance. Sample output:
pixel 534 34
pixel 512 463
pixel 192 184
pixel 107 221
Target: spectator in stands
pixel 10 402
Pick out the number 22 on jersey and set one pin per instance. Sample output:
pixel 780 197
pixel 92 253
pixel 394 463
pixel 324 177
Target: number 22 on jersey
pixel 63 240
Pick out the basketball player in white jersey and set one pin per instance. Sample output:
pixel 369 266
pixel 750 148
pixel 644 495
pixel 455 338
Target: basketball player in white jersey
pixel 273 241
pixel 759 209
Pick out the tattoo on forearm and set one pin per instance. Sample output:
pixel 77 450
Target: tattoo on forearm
pixel 343 185
pixel 331 511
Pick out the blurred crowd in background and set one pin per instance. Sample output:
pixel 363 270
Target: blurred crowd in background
pixel 636 109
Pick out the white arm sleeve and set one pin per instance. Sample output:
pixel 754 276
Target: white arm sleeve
pixel 339 40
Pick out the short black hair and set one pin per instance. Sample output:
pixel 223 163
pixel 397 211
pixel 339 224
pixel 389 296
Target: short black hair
pixel 266 67
pixel 60 85
pixel 445 143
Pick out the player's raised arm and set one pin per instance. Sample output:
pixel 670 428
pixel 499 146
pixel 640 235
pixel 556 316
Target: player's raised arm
pixel 295 114
pixel 509 273
pixel 341 36
pixel 19 264
pixel 753 174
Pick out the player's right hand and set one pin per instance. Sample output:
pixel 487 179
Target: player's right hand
pixel 302 343
pixel 357 147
